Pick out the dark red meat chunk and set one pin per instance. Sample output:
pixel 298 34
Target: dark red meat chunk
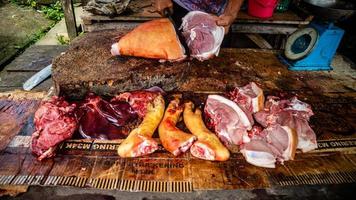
pixel 55 122
pixel 137 99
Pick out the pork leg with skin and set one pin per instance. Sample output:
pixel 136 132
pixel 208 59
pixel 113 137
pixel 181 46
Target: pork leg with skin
pixel 156 39
pixel 208 146
pixel 173 139
pixel 140 141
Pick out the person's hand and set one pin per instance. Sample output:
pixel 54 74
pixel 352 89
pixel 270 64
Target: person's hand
pixel 229 15
pixel 225 21
pixel 160 5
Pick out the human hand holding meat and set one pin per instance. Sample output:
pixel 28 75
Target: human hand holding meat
pixel 228 17
pixel 208 146
pixel 173 139
pixel 225 21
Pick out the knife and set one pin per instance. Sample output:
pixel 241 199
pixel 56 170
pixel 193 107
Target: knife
pixel 37 78
pixel 167 13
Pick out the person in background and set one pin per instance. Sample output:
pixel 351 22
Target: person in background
pixel 225 10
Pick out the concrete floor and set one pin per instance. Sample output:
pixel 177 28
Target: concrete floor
pixel 60 29
pixel 45 49
pixel 24 24
pixel 19 26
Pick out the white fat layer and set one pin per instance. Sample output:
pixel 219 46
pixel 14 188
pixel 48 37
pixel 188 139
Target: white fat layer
pixel 306 145
pixel 143 145
pixel 236 108
pixel 208 153
pixel 246 138
pixel 288 152
pixel 115 49
pixel 257 103
pixel 259 158
pixel 185 146
pixel 225 135
pixel 298 105
pixel 193 34
pixel 184 24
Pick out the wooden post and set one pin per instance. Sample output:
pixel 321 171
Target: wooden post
pixel 70 18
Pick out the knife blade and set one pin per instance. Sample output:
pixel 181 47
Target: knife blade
pixel 167 13
pixel 37 78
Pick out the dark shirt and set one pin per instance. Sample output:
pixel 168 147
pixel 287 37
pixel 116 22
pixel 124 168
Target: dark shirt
pixel 216 7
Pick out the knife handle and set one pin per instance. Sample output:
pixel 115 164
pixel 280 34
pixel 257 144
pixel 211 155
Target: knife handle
pixel 167 12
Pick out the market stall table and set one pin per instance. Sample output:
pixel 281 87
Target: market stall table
pixel 94 166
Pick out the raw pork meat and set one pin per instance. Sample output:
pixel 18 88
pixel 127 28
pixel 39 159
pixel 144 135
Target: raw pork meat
pixel 202 35
pixel 293 113
pixel 255 132
pixel 103 120
pixel 150 106
pixel 208 146
pixel 172 138
pixel 250 97
pixel 155 39
pixel 274 143
pixel 139 100
pixel 229 121
pixel 258 153
pixel 55 122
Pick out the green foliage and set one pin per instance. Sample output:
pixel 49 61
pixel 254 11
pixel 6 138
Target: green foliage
pixel 38 35
pixel 16 2
pixel 54 11
pixel 62 39
pixel 31 3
